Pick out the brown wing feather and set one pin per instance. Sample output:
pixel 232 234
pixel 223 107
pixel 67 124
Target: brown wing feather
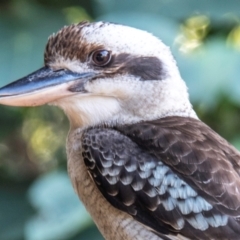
pixel 197 154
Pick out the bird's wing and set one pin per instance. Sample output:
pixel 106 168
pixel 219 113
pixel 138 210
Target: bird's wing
pixel 137 180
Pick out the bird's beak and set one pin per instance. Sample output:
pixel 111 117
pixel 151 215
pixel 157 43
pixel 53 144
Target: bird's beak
pixel 42 86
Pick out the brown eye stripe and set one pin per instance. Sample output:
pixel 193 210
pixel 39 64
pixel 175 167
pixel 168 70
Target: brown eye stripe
pixel 147 68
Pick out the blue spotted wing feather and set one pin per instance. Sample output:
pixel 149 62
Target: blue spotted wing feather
pixel 138 170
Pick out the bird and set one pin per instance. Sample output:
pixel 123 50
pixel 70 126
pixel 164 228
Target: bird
pixel 141 161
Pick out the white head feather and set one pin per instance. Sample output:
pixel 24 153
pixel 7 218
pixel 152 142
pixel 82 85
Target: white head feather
pixel 123 98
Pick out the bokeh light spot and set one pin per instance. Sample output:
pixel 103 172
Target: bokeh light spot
pixel 193 32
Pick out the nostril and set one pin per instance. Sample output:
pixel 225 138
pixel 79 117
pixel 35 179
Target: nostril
pixel 59 70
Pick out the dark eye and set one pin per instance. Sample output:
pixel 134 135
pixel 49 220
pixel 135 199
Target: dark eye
pixel 101 57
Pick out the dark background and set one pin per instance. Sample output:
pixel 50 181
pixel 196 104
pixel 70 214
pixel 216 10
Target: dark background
pixel 36 198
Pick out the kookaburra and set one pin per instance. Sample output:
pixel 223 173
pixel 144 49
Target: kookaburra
pixel 141 161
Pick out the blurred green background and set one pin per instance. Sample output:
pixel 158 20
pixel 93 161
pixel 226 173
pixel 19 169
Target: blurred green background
pixel 36 198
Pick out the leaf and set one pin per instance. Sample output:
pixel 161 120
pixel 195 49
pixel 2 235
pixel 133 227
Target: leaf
pixel 60 213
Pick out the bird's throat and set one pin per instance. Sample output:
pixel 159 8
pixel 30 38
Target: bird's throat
pixel 85 111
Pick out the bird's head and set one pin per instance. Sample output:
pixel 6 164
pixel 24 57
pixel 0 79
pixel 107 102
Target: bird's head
pixel 104 73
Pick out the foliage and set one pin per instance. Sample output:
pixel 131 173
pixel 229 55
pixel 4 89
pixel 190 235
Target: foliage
pixel 205 39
